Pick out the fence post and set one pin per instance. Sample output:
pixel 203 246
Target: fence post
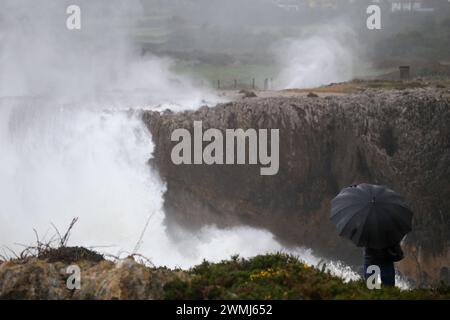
pixel 235 84
pixel 253 84
pixel 218 84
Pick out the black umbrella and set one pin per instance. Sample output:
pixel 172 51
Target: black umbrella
pixel 371 216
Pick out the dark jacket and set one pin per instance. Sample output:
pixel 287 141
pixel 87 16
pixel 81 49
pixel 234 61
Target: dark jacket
pixel 391 254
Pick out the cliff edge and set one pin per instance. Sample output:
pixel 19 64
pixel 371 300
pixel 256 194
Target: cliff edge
pixel 400 138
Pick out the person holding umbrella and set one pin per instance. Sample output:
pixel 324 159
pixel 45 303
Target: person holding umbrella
pixel 376 218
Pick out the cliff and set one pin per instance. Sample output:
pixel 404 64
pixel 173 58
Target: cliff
pixel 396 137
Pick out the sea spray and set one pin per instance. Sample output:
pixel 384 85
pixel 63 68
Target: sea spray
pixel 73 144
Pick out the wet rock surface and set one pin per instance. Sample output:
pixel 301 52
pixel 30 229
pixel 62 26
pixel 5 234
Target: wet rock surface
pixel 127 279
pixel 398 137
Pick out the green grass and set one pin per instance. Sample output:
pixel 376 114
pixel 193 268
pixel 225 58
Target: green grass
pixel 395 85
pixel 243 73
pixel 279 277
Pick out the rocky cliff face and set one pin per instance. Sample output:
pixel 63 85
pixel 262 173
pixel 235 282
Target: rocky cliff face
pixel 398 138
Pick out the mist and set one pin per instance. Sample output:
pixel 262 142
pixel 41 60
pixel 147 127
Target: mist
pixel 73 143
pixel 71 138
pixel 40 57
pixel 70 147
pixel 274 38
pixel 315 60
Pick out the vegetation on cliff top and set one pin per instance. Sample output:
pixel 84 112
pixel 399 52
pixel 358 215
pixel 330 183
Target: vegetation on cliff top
pixel 279 276
pixel 35 273
pixel 265 277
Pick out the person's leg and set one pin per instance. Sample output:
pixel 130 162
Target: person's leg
pixel 388 274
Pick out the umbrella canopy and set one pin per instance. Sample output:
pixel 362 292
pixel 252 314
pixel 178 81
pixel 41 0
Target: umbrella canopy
pixel 371 216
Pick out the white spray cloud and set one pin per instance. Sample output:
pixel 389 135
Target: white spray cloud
pixel 75 163
pixel 315 61
pixel 63 163
pixel 68 147
pixel 39 56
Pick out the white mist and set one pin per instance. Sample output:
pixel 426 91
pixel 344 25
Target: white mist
pixel 70 148
pixel 313 61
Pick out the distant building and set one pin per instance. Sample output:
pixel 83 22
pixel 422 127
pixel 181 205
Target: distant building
pixel 408 6
pixel 391 5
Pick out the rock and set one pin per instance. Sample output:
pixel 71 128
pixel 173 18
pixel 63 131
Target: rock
pixel 248 94
pixel 127 279
pixel 378 136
